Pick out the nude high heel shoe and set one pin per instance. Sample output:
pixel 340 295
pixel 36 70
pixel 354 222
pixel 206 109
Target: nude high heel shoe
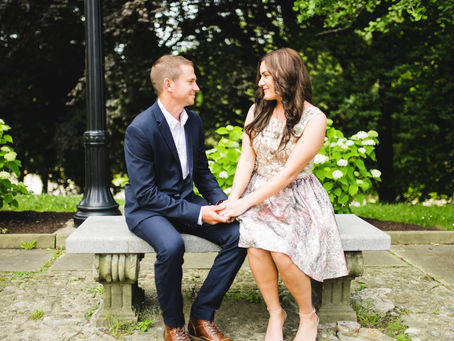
pixel 275 312
pixel 307 330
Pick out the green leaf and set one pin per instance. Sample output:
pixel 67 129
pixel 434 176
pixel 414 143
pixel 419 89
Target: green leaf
pixel 353 189
pixel 372 133
pixel 222 131
pixel 359 198
pixel 343 198
pixel 328 186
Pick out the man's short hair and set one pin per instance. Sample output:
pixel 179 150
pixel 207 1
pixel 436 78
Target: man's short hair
pixel 167 66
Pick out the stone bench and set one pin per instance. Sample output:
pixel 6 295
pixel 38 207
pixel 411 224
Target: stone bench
pixel 117 254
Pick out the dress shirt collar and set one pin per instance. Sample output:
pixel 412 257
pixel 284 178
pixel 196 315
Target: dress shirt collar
pixel 172 121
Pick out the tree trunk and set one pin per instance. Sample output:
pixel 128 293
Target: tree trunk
pixel 45 181
pixel 385 150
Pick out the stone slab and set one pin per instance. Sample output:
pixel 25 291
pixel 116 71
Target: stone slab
pixel 421 237
pixel 73 262
pixel 435 260
pixel 63 233
pixel 357 234
pixel 109 234
pixel 14 240
pixel 381 259
pixel 24 260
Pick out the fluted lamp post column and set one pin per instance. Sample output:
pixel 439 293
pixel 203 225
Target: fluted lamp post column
pixel 97 198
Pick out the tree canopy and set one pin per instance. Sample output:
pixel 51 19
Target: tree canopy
pixel 382 65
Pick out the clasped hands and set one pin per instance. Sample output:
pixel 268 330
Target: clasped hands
pixel 225 212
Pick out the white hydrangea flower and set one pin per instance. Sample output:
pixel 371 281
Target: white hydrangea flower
pixel 349 143
pixel 368 143
pixel 320 158
pixel 223 175
pixel 4 175
pixel 362 150
pixel 337 174
pixel 11 156
pixel 361 134
pixel 359 181
pixel 333 144
pixel 342 163
pixel 375 173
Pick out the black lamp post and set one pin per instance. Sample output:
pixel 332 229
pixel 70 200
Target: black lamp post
pixel 97 198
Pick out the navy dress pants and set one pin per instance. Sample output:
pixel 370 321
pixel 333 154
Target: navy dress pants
pixel 164 236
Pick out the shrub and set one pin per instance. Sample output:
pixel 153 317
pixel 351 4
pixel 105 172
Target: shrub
pixel 223 157
pixel 340 165
pixel 8 165
pixel 341 168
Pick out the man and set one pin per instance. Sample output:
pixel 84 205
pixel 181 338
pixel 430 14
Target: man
pixel 165 156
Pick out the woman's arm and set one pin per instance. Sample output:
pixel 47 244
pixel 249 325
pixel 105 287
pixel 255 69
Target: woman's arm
pixel 246 162
pixel 305 149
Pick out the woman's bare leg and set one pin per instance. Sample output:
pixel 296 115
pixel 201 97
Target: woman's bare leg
pixel 299 285
pixel 266 276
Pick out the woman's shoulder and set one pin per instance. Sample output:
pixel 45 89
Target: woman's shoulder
pixel 250 114
pixel 310 111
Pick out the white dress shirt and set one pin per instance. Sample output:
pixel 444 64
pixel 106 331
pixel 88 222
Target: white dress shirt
pixel 179 138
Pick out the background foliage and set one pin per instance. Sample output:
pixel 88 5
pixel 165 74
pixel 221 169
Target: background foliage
pixel 375 65
pixel 8 165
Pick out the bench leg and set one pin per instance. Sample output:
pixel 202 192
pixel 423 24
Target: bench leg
pixel 334 294
pixel 118 274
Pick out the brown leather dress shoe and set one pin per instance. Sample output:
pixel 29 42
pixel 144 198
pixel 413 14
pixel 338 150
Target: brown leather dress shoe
pixel 202 330
pixel 175 334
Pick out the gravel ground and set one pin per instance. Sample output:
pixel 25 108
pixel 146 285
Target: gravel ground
pixel 57 305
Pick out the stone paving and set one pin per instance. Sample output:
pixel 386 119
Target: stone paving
pixel 56 304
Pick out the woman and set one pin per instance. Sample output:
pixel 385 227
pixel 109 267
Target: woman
pixel 286 218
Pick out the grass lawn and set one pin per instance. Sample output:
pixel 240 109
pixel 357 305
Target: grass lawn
pixel 440 216
pixel 48 203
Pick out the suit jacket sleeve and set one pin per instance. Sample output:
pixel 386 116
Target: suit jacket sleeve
pixel 142 179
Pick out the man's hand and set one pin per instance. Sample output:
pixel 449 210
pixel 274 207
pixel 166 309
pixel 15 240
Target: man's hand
pixel 210 214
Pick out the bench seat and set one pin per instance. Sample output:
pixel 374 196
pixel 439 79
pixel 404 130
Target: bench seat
pixel 117 254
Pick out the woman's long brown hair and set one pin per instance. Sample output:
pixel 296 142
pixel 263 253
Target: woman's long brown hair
pixel 291 82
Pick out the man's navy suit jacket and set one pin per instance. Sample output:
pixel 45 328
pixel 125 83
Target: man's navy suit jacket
pixel 156 185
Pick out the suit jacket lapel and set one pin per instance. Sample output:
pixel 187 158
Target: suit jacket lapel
pixel 166 134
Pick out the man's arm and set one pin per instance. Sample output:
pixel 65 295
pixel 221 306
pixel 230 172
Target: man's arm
pixel 142 179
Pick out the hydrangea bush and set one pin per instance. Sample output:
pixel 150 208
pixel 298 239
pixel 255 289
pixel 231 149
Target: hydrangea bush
pixel 341 165
pixel 8 165
pixel 223 158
